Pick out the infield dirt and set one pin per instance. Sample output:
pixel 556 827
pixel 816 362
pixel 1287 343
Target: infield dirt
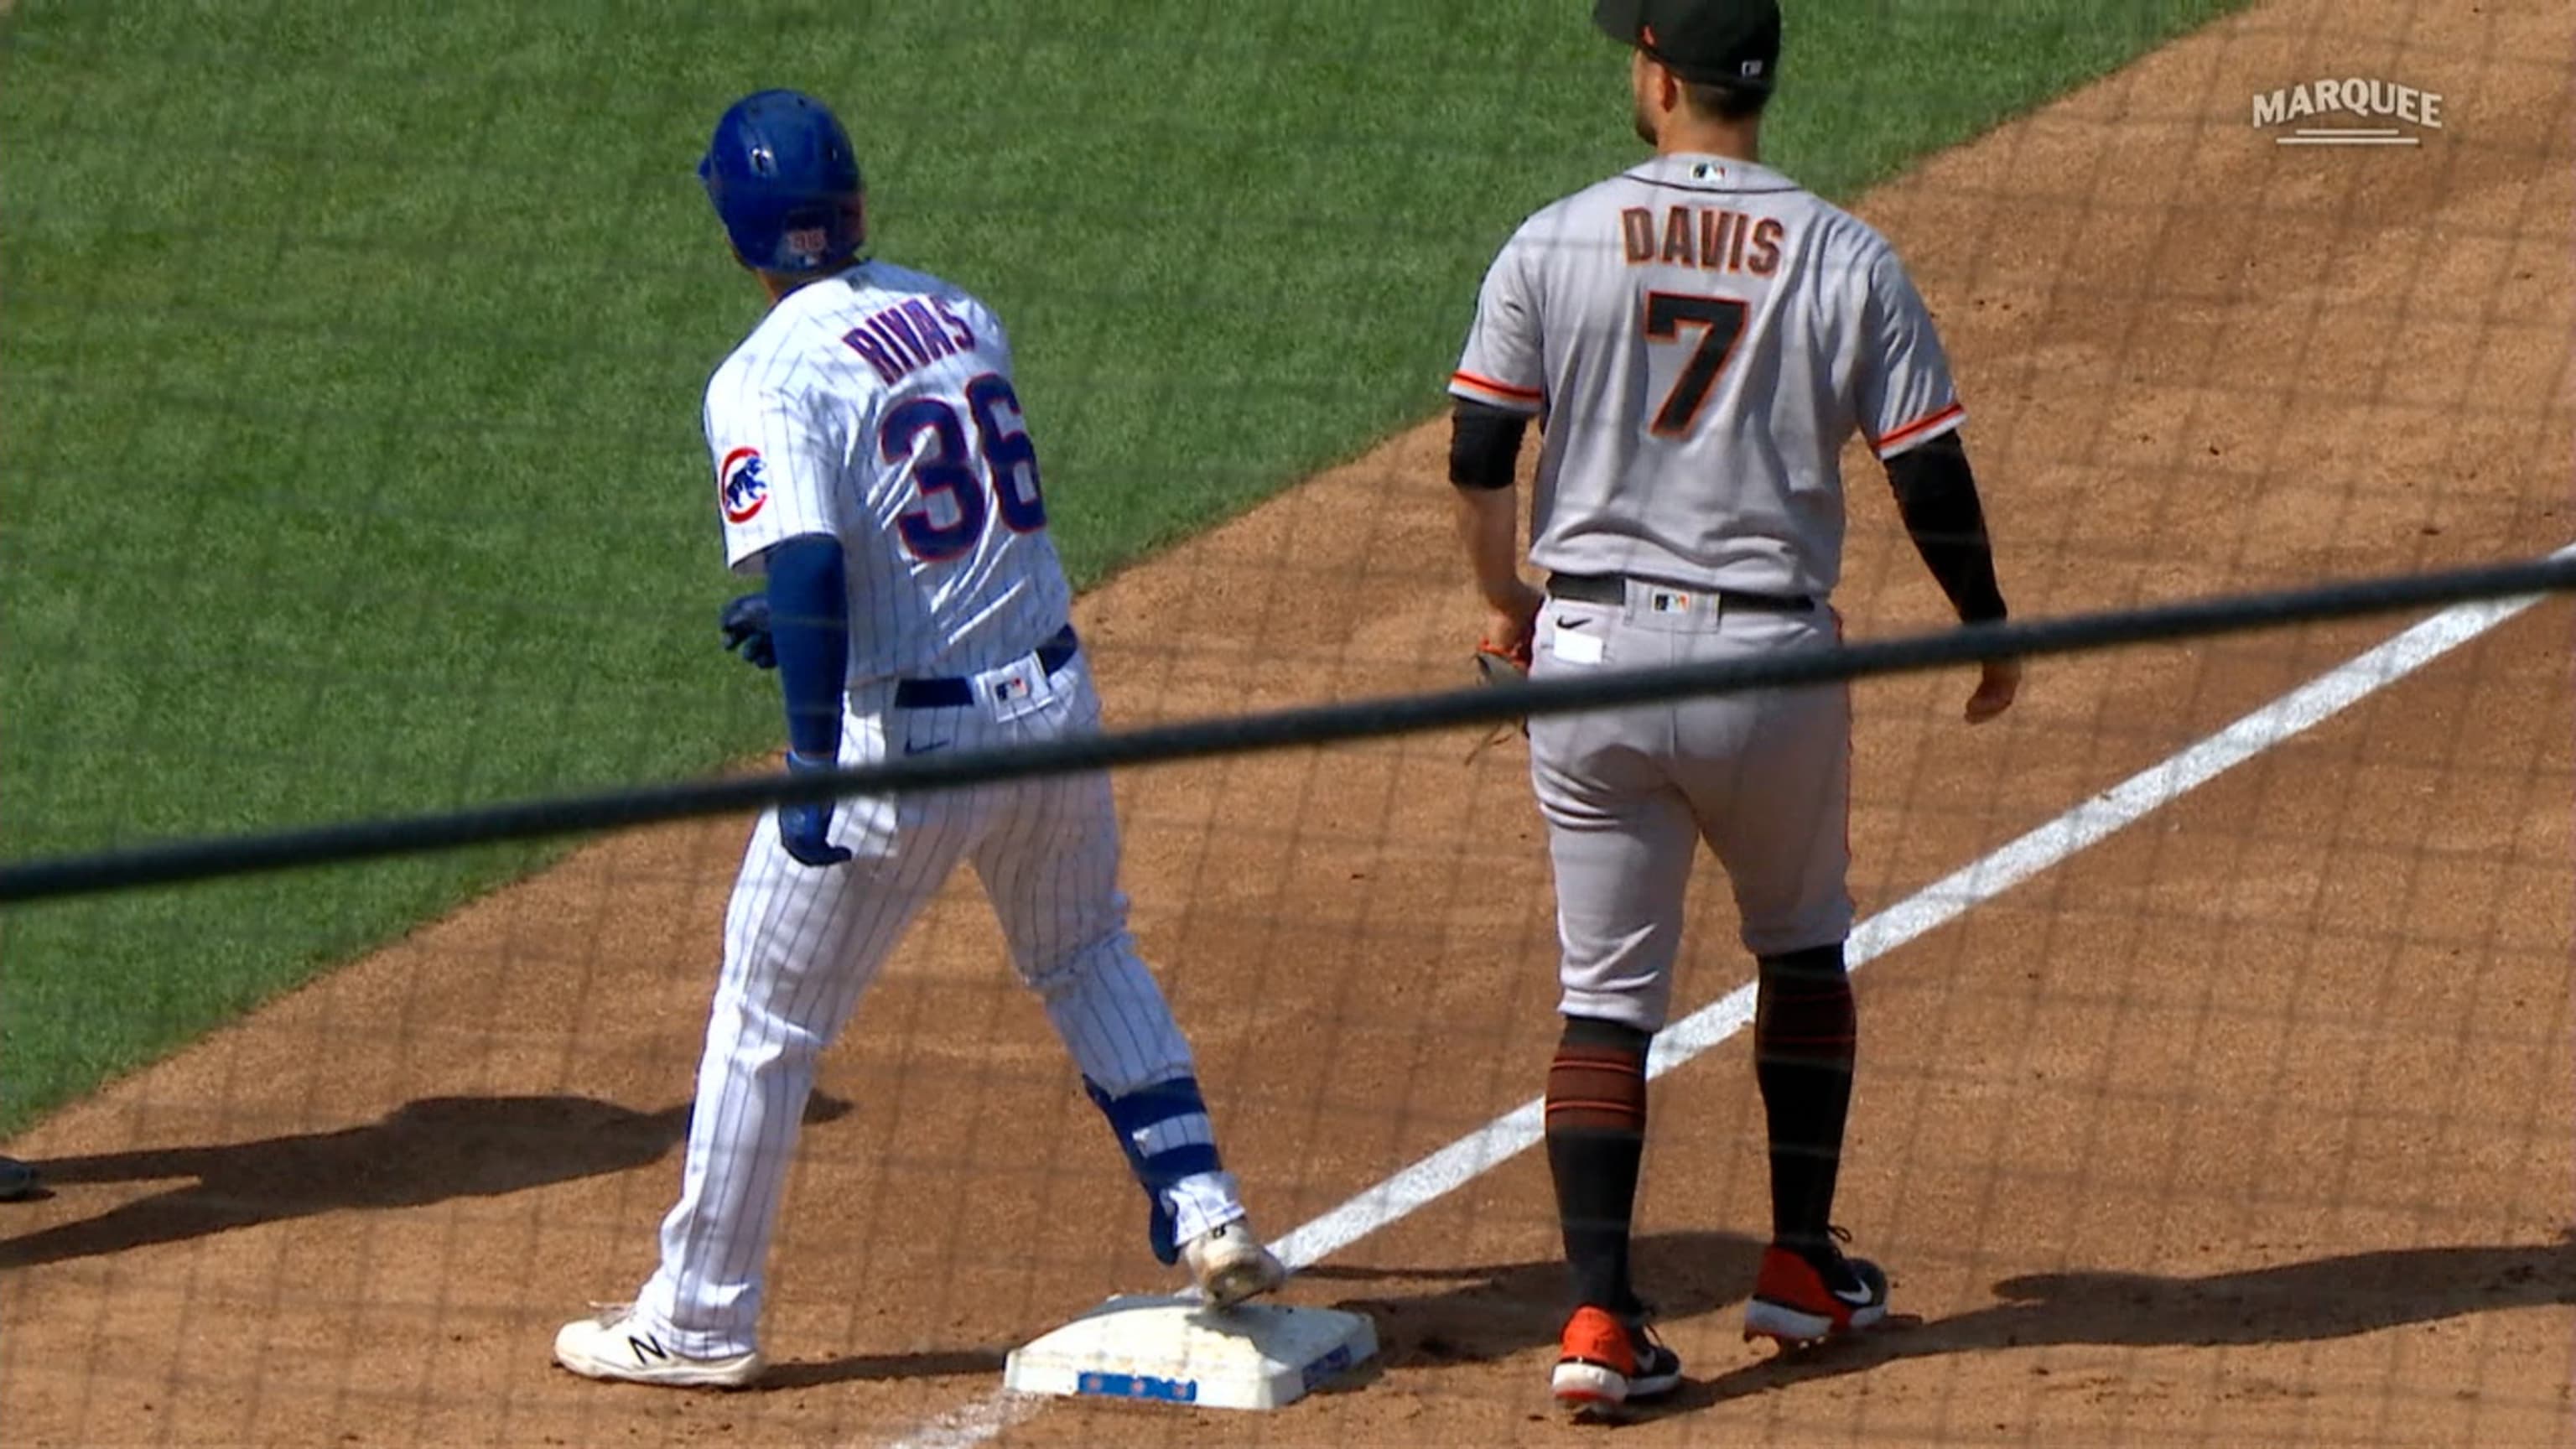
pixel 2248 1125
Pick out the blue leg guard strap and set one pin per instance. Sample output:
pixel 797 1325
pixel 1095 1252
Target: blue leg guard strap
pixel 1164 1131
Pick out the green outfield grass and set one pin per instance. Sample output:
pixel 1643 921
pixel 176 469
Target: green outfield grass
pixel 350 358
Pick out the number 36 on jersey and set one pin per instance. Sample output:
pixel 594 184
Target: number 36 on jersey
pixel 957 493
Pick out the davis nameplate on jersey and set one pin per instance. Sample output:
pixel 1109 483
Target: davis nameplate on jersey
pixel 1180 1351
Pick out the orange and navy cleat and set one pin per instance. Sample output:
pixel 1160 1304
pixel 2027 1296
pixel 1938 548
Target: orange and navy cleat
pixel 1807 1297
pixel 1609 1362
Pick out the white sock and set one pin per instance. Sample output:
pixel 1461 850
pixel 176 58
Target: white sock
pixel 1202 1203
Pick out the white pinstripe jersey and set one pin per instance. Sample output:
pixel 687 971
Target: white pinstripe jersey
pixel 876 406
pixel 1700 337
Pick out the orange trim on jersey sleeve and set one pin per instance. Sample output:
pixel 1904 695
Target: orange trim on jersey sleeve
pixel 1499 389
pixel 1917 427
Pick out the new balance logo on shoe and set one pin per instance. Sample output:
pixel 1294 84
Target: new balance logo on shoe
pixel 612 1343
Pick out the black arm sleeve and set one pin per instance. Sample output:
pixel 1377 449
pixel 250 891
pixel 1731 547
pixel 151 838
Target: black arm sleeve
pixel 1937 497
pixel 1484 445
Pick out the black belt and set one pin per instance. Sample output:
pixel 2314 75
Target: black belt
pixel 1613 589
pixel 949 693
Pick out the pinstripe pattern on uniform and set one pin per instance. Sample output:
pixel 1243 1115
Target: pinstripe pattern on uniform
pixel 803 944
pixel 814 408
pixel 1051 873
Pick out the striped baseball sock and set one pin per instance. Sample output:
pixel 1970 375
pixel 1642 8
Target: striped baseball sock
pixel 1596 1141
pixel 1805 1034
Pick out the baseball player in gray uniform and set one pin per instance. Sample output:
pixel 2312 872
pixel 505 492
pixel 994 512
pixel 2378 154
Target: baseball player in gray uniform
pixel 874 467
pixel 1699 338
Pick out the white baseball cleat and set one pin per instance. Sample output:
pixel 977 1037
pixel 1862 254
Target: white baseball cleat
pixel 612 1344
pixel 1230 1265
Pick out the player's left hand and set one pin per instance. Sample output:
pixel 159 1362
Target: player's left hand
pixel 1501 666
pixel 1496 667
pixel 1995 690
pixel 1503 655
pixel 805 827
pixel 746 629
pixel 1511 627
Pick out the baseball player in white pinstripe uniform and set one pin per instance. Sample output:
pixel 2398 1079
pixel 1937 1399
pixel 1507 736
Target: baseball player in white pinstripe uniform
pixel 873 465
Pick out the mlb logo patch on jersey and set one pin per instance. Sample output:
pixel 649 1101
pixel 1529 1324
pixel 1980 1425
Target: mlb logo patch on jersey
pixel 740 489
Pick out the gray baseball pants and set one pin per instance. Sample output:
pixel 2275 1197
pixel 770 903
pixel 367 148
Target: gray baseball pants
pixel 1763 777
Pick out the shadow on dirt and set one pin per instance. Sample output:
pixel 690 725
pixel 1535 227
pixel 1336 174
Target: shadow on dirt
pixel 423 1152
pixel 864 1368
pixel 2322 1298
pixel 1495 1311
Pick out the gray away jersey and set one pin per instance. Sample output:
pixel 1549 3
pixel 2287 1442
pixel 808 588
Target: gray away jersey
pixel 876 407
pixel 1699 338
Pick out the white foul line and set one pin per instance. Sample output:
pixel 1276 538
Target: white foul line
pixel 1937 904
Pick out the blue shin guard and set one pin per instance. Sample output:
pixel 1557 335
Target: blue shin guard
pixel 1165 1133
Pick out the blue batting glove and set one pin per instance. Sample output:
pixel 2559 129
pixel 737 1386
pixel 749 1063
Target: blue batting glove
pixel 805 828
pixel 746 628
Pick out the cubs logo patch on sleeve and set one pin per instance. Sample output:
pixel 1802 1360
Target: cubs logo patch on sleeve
pixel 740 488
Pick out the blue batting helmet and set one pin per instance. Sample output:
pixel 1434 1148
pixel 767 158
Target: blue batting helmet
pixel 786 184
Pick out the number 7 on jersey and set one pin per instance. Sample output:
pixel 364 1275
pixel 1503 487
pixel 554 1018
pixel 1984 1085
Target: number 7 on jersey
pixel 1721 323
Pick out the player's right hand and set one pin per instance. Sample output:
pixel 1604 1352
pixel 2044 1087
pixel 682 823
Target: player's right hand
pixel 1996 687
pixel 805 827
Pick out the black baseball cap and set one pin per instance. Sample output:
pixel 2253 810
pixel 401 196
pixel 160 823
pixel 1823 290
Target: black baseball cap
pixel 1709 42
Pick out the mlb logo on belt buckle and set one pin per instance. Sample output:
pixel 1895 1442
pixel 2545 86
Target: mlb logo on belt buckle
pixel 1663 601
pixel 1017 688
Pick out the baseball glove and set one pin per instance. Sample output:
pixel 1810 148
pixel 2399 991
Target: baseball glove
pixel 1498 667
